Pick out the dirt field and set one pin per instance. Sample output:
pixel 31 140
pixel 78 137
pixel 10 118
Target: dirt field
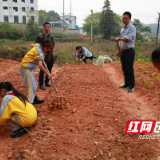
pixel 92 125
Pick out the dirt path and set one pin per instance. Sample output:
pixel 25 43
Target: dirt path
pixel 93 124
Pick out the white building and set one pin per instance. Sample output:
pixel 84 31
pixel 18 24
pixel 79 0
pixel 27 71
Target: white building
pixel 70 20
pixel 18 11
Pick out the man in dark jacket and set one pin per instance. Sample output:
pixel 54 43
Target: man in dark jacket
pixel 49 55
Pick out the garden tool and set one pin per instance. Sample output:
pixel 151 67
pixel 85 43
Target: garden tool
pixel 58 101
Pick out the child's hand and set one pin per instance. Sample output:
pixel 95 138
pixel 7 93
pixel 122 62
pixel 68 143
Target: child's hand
pixel 49 76
pixel 32 45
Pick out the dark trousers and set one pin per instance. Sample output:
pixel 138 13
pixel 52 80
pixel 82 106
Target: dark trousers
pixel 92 57
pixel 50 66
pixel 127 59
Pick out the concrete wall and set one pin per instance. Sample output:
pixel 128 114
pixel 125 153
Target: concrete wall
pixel 53 29
pixel 65 30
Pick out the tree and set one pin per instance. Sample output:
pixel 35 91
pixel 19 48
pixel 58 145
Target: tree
pixel 32 30
pixel 47 16
pixel 96 24
pixel 107 21
pixel 10 32
pixel 141 30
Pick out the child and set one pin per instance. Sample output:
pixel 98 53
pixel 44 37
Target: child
pixel 155 57
pixel 83 54
pixel 31 60
pixel 16 110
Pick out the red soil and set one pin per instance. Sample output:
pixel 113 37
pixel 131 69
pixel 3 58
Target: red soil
pixel 93 123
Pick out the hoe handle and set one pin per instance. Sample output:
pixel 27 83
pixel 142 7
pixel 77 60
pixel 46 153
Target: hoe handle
pixel 53 84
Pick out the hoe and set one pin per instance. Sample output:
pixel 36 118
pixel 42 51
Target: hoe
pixel 58 101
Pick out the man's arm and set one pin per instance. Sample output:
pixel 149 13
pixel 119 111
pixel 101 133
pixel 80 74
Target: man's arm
pixel 130 36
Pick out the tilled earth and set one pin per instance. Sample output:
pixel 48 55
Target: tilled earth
pixel 93 123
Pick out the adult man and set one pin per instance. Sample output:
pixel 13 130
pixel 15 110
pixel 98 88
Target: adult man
pixel 127 52
pixel 49 55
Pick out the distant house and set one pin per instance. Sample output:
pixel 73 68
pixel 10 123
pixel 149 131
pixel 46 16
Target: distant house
pixel 18 11
pixel 59 23
pixel 82 31
pixel 70 20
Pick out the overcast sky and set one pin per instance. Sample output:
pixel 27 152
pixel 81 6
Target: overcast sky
pixel 145 10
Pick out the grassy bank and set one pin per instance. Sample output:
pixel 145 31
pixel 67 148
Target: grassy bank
pixel 17 49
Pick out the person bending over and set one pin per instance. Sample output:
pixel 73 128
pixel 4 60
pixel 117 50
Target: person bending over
pixel 31 60
pixel 83 54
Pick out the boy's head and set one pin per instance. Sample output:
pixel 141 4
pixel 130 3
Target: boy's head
pixel 155 57
pixel 46 27
pixel 79 49
pixel 46 44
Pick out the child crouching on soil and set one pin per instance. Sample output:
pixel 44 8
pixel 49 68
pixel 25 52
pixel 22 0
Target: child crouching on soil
pixel 31 60
pixel 16 110
pixel 155 57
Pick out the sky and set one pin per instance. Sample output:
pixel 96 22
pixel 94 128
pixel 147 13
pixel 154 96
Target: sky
pixel 144 10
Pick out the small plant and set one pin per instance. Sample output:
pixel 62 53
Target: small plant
pixel 151 66
pixel 138 79
pixel 157 78
pixel 149 86
pixel 146 82
pixel 153 75
pixel 145 72
pixel 143 69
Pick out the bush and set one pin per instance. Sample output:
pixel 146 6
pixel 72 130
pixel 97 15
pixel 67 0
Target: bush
pixel 10 32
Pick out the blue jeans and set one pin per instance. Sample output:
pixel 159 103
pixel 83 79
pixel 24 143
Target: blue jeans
pixel 49 66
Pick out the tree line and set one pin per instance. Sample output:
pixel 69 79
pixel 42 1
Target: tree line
pixel 108 24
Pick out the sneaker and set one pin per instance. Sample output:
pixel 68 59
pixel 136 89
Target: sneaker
pixel 37 101
pixel 47 85
pixel 19 132
pixel 124 87
pixel 42 87
pixel 130 90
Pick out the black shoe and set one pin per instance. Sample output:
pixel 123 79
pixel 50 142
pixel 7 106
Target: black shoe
pixel 47 85
pixel 130 90
pixel 124 87
pixel 37 111
pixel 42 87
pixel 37 101
pixel 19 132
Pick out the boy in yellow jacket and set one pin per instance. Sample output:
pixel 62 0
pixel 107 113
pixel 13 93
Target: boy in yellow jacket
pixel 16 110
pixel 32 60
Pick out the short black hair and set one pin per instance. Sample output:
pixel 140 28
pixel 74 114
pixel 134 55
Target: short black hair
pixel 78 47
pixel 155 57
pixel 46 23
pixel 46 42
pixel 128 13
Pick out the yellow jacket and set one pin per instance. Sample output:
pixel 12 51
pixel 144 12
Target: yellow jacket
pixel 31 58
pixel 13 108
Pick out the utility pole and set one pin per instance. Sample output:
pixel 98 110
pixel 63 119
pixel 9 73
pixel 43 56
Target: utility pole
pixel 91 27
pixel 63 15
pixel 70 22
pixel 157 29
